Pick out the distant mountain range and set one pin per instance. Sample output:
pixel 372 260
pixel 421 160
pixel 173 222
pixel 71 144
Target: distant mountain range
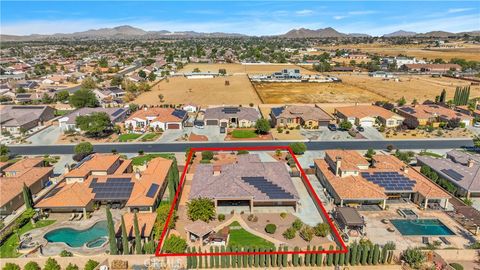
pixel 129 32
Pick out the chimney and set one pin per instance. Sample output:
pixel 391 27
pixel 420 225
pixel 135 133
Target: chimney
pixel 137 174
pixel 338 164
pixel 470 163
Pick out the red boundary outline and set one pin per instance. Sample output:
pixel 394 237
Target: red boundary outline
pixel 252 148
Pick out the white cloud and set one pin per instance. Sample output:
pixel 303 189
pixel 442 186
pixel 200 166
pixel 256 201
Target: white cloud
pixel 458 10
pixel 304 12
pixel 339 17
pixel 362 12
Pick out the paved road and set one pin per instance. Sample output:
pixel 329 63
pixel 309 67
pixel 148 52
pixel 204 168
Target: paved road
pixel 182 146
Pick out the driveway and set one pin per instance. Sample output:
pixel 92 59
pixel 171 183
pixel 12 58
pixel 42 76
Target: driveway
pixel 212 132
pixel 324 134
pixel 307 158
pixel 372 133
pixel 47 136
pixel 171 135
pixel 307 211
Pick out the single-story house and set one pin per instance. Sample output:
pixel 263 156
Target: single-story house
pixel 31 172
pixel 146 223
pixel 107 178
pixel 16 118
pixel 368 115
pixel 231 116
pixel 431 114
pixel 245 184
pixel 68 121
pixel 156 118
pixel 295 115
pixel 350 179
pixel 460 168
pixel 442 68
pixel 191 108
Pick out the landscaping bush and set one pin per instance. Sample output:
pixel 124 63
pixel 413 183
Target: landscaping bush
pixel 414 257
pixel 91 264
pixel 456 266
pixel 174 244
pixel 307 233
pixel 11 266
pixel 221 217
pixel 201 208
pixel 72 266
pixel 66 253
pixel 31 266
pixel 283 215
pixel 52 264
pixel 207 155
pixel 322 229
pixel 298 148
pixel 271 228
pixel 242 152
pixel 297 224
pixel 289 233
pixel 250 217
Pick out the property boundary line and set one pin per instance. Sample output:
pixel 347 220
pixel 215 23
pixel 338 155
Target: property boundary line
pixel 305 180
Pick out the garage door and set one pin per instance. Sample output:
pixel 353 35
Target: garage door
pixel 223 124
pixel 173 126
pixel 323 123
pixel 367 124
pixel 212 122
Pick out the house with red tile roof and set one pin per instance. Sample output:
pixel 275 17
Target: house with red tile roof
pixel 157 119
pixel 431 114
pixel 351 179
pixel 109 179
pixel 31 172
pixel 368 116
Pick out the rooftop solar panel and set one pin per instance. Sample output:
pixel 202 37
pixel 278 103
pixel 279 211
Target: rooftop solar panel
pixel 117 112
pixel 270 189
pixel 152 190
pixel 391 181
pixel 453 174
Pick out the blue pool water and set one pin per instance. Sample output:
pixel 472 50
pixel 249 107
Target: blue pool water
pixel 76 238
pixel 421 227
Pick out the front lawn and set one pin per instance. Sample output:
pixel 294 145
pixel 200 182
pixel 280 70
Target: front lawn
pixel 239 237
pixel 430 154
pixel 244 133
pixel 9 248
pixel 143 159
pixel 128 137
pixel 149 137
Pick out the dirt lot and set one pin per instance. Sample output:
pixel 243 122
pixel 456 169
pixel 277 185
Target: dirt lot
pixel 180 90
pixel 313 93
pixel 419 87
pixel 239 68
pixel 466 51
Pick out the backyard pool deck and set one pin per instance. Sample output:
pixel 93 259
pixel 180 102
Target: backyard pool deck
pixel 377 231
pixel 53 249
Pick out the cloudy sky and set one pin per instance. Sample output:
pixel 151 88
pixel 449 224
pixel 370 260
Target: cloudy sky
pixel 246 17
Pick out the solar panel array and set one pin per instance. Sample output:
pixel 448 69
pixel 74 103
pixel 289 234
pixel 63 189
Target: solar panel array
pixel 113 189
pixel 117 112
pixel 270 189
pixel 231 110
pixel 391 181
pixel 277 111
pixel 453 174
pixel 179 113
pixel 152 190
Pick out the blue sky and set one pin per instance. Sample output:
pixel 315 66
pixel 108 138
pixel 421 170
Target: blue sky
pixel 252 17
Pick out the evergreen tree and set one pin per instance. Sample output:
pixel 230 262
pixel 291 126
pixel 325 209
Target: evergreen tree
pixel 217 258
pixel 279 258
pixel 124 238
pixel 138 237
pixel 455 97
pixel 336 258
pixel 383 257
pixel 313 257
pixel 370 255
pixel 256 257
pixel 273 258
pixel 111 233
pixel 267 258
pixel 376 254
pixel 262 257
pixel 330 256
pixel 200 259
pixel 27 197
pixel 353 256
pixel 365 252
pixel 341 260
pixel 194 258
pixel 347 256
pixel 295 257
pixel 284 257
pixel 227 258
pixel 319 260
pixel 222 258
pixel 443 96
pixel 307 257
pixel 246 258
pixel 189 259
pixel 358 258
pixel 211 257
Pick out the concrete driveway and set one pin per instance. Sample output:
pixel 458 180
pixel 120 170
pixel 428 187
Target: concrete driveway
pixel 307 211
pixel 171 135
pixel 47 136
pixel 212 132
pixel 324 134
pixel 372 133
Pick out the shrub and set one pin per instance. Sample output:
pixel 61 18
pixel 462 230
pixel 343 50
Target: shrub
pixel 201 208
pixel 72 266
pixel 221 217
pixel 271 228
pixel 91 264
pixel 255 219
pixel 52 264
pixel 242 152
pixel 66 253
pixel 297 224
pixel 207 155
pixel 174 244
pixel 456 266
pixel 414 257
pixel 283 215
pixel 11 266
pixel 289 233
pixel 322 229
pixel 307 233
pixel 250 217
pixel 31 266
pixel 298 148
pixel 83 148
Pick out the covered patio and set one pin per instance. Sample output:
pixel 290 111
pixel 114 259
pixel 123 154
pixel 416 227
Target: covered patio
pixel 349 220
pixel 198 231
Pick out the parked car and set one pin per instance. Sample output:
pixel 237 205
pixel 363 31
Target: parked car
pixel 332 127
pixel 360 129
pixel 477 124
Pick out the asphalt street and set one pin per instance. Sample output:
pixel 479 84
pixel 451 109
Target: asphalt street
pixel 182 146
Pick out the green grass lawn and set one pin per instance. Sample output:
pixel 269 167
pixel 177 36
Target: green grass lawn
pixel 140 160
pixel 8 248
pixel 242 238
pixel 430 154
pixel 149 137
pixel 244 133
pixel 128 137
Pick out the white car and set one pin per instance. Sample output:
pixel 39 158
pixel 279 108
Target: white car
pixel 477 124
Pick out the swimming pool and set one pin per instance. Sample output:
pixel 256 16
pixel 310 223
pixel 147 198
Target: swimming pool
pixel 75 238
pixel 421 227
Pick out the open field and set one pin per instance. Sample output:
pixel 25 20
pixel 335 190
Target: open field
pixel 180 90
pixel 466 51
pixel 239 68
pixel 313 93
pixel 420 87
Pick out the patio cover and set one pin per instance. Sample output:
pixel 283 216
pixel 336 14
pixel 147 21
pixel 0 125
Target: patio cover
pixel 199 228
pixel 349 216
